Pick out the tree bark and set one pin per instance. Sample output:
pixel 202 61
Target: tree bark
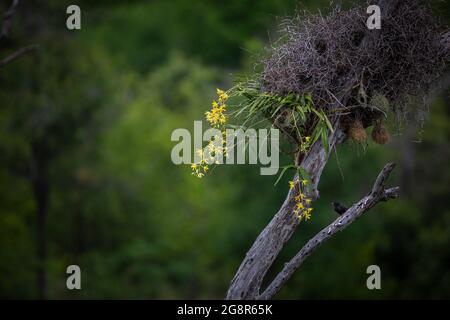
pixel 249 277
pixel 445 41
pixel 7 19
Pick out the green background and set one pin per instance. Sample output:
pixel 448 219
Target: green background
pixel 91 114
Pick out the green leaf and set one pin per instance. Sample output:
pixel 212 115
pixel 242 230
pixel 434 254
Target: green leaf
pixel 276 110
pixel 324 135
pixel 315 134
pixel 318 114
pixel 285 168
pixel 309 99
pixel 303 173
pixel 328 123
pixel 302 100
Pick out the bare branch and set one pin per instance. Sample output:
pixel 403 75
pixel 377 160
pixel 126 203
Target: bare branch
pixel 17 54
pixel 378 187
pixel 7 19
pixel 378 193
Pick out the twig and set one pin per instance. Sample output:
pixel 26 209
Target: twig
pixel 378 194
pixel 17 54
pixel 7 19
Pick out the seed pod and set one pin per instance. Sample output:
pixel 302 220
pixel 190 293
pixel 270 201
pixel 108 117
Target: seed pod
pixel 380 135
pixel 357 132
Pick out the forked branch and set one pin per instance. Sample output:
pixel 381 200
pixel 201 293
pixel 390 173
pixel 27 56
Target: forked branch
pixel 17 54
pixel 378 194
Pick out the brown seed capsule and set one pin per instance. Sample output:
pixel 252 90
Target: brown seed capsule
pixel 357 132
pixel 380 134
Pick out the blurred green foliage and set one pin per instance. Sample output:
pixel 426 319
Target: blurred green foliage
pixel 95 108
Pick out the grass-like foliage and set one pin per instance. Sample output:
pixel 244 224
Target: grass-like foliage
pixel 294 114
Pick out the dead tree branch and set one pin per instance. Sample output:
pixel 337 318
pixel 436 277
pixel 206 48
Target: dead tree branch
pixel 17 54
pixel 5 32
pixel 378 193
pixel 446 43
pixel 7 19
pixel 248 279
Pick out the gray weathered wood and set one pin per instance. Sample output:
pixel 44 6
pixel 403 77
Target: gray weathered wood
pixel 378 193
pixel 272 239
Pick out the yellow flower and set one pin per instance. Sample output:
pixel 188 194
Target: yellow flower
pixel 308 201
pixel 304 182
pixel 193 166
pixel 222 95
pixel 307 139
pixel 299 197
pixel 291 185
pixel 205 168
pixel 306 215
pixel 216 115
pixel 300 206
